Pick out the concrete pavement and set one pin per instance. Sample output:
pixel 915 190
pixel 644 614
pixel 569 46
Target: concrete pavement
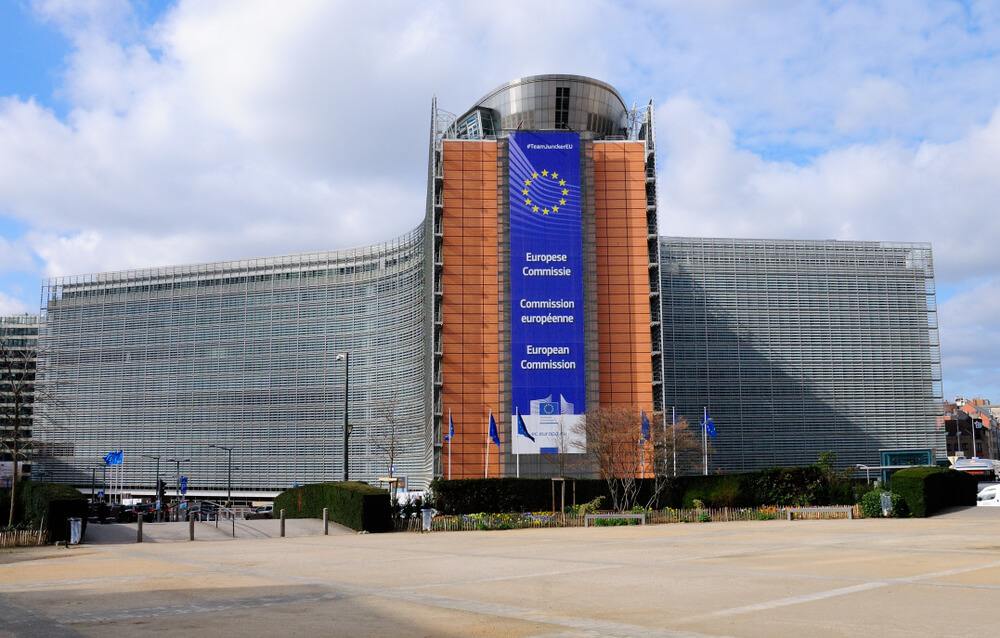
pixel 920 577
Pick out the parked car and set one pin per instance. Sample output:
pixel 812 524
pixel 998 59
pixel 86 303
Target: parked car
pixel 146 510
pixel 262 511
pixel 205 512
pixel 989 496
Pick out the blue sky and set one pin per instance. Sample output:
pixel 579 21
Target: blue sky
pixel 136 134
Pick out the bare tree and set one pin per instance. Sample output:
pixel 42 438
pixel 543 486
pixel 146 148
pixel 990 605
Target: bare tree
pixel 624 453
pixel 386 440
pixel 614 442
pixel 17 386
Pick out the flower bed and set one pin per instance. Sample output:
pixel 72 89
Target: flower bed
pixel 574 517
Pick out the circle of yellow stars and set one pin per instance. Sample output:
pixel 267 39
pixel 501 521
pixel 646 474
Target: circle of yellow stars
pixel 535 207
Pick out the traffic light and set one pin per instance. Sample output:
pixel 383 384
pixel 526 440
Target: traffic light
pixel 161 490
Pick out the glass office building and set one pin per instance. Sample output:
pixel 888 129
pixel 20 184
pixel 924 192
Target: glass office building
pixel 801 347
pixel 538 254
pixel 245 356
pixel 18 351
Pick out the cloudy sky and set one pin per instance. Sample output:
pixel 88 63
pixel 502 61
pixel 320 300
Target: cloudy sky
pixel 144 133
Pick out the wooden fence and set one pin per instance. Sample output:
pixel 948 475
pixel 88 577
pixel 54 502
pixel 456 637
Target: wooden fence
pixel 24 538
pixel 470 522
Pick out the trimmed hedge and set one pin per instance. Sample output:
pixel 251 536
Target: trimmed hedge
pixel 929 489
pixel 5 506
pixel 52 504
pixel 773 486
pixel 359 506
pixel 502 495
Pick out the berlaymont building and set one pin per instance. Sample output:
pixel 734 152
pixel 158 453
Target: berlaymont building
pixel 538 287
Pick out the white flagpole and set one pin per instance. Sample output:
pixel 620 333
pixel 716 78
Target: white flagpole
pixel 674 428
pixel 517 452
pixel 663 413
pixel 451 435
pixel 704 442
pixel 488 445
pixel 642 449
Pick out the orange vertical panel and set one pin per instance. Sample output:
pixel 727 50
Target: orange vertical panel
pixel 471 337
pixel 623 333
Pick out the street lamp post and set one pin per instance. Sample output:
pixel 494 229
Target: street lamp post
pixel 229 481
pixel 346 356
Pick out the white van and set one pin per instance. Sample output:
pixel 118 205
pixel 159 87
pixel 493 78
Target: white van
pixel 989 496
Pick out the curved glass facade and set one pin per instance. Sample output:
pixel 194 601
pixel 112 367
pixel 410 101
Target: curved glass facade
pixel 549 102
pixel 242 355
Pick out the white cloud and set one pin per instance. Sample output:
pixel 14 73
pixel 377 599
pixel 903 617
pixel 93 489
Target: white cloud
pixel 11 306
pixel 875 103
pixel 970 341
pixel 942 193
pixel 236 129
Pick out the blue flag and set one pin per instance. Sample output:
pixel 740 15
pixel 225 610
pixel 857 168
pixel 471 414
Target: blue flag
pixel 708 425
pixel 645 425
pixel 114 458
pixel 451 428
pixel 494 433
pixel 522 429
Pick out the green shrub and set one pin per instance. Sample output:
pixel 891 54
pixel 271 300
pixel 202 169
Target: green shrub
pixel 727 492
pixel 50 505
pixel 929 489
pixel 871 504
pixel 356 505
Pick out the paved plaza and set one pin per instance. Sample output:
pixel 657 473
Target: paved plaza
pixel 920 577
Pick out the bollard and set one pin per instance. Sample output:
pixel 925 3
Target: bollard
pixel 138 538
pixel 191 526
pixel 282 523
pixel 326 521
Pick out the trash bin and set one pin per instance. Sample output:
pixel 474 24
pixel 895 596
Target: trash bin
pixel 886 503
pixel 75 530
pixel 425 520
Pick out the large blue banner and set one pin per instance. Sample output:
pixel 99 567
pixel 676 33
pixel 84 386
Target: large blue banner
pixel 548 378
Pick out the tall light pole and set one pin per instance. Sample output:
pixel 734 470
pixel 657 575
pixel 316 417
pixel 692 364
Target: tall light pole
pixel 229 483
pixel 346 356
pixel 156 490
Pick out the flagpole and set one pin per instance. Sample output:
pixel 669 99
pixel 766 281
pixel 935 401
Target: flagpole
pixel 663 422
pixel 517 452
pixel 642 453
pixel 674 410
pixel 450 437
pixel 704 443
pixel 488 446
